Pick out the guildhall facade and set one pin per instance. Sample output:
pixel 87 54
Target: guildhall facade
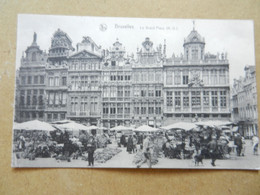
pixel 107 87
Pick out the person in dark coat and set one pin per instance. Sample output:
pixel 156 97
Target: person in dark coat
pixel 91 147
pixel 212 145
pixel 238 142
pixel 123 140
pixel 130 144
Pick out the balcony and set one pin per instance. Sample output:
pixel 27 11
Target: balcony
pixel 62 54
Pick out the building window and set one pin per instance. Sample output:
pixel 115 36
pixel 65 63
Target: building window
pixel 64 98
pixel 49 116
pixel 158 93
pixel 223 99
pixel 120 91
pixel 214 78
pixel 112 110
pixel 64 81
pixel 185 78
pixel 186 99
pixel 56 99
pixel 158 77
pixel 143 110
pixel 136 76
pixel 51 98
pixel 168 77
pixel 136 92
pixel 158 110
pixel 34 102
pixel 127 91
pixel 35 79
pixel 113 63
pixel 143 93
pixel 41 79
pixel 105 108
pixel 62 116
pixel 150 92
pixel 194 53
pixel 169 98
pixel 40 114
pixel 151 76
pixel 177 98
pixel 23 80
pixel 55 116
pixel 195 98
pixel 222 76
pixel 150 110
pixel 214 98
pixel 28 100
pixel 21 100
pixel 136 110
pixel 113 92
pixel 119 108
pixel 205 98
pixel 57 81
pixel 29 80
pixel 51 82
pixel 40 100
pixel 205 77
pixel 177 78
pixel 127 108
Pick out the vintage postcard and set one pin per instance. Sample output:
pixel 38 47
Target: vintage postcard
pixel 109 92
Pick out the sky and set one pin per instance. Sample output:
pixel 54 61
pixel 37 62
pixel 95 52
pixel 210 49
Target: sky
pixel 236 37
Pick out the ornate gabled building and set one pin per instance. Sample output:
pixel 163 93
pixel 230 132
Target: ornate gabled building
pixel 57 76
pixel 147 85
pixel 84 83
pixel 31 83
pixel 116 87
pixel 196 84
pixel 244 103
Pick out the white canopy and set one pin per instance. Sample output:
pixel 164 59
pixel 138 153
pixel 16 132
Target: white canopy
pixel 213 123
pixel 121 128
pixel 34 125
pixel 145 128
pixel 62 122
pixel 72 126
pixel 181 125
pixel 92 127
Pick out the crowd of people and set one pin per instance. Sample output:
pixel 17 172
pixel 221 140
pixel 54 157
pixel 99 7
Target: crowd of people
pixel 197 145
pixel 207 144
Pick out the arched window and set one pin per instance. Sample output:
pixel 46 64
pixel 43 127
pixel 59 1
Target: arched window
pixel 34 56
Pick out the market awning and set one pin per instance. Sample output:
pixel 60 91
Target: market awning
pixel 121 128
pixel 145 128
pixel 181 125
pixel 34 125
pixel 72 126
pixel 213 123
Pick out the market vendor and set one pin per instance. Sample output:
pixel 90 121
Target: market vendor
pixel 91 147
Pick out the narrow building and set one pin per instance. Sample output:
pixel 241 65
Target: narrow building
pixel 30 84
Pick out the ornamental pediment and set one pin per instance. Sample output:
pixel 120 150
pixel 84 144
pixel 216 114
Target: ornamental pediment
pixel 84 54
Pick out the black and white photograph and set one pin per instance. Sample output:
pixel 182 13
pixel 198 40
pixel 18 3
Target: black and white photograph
pixel 110 92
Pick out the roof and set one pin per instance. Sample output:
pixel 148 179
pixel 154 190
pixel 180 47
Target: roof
pixel 194 37
pixel 85 53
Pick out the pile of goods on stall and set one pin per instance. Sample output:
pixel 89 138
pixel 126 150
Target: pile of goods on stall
pixel 103 140
pixel 158 145
pixel 139 157
pixel 102 155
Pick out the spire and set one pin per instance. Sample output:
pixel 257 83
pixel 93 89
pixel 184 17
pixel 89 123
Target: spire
pixel 34 39
pixel 193 25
